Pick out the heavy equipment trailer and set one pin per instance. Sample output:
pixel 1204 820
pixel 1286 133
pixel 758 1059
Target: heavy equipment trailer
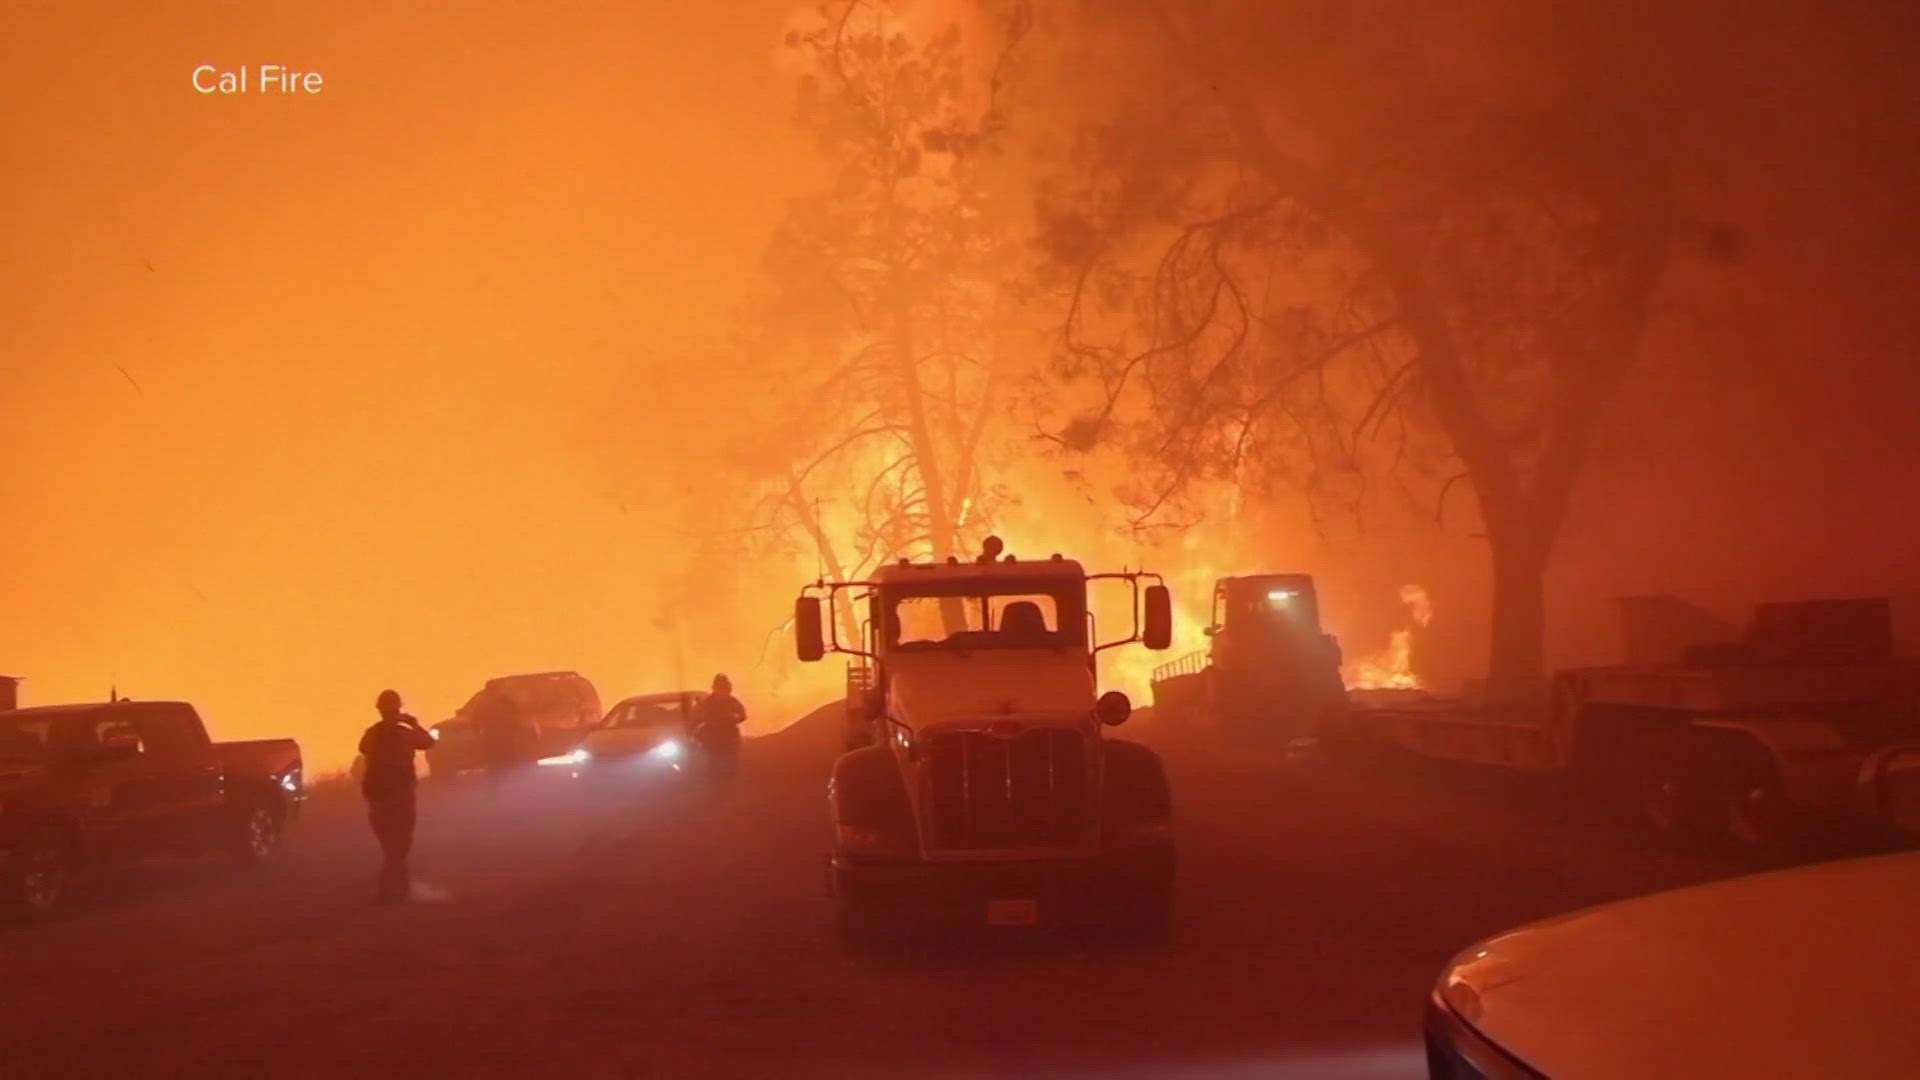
pixel 1808 721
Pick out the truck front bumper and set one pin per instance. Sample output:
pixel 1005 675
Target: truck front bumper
pixel 1025 892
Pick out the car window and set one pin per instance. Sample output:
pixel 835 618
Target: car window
pixel 169 732
pixel 654 714
pixel 79 735
pixel 618 717
pixel 23 739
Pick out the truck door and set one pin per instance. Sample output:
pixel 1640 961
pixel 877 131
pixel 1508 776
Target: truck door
pixel 101 760
pixel 188 792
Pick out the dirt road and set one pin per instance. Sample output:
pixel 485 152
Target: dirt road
pixel 637 931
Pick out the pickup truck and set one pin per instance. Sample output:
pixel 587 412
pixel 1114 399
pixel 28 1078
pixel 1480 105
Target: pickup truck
pixel 86 785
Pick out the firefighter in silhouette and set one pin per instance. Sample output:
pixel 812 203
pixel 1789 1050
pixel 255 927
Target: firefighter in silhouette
pixel 716 727
pixel 388 782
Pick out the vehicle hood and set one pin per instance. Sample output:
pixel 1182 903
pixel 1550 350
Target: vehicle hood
pixel 1811 972
pixel 925 689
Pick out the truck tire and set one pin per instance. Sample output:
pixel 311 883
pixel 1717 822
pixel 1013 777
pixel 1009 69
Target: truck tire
pixel 1670 780
pixel 38 876
pixel 1136 792
pixel 866 793
pixel 257 826
pixel 1141 914
pixel 1757 814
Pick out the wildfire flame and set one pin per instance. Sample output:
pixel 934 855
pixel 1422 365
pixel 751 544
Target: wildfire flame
pixel 1392 668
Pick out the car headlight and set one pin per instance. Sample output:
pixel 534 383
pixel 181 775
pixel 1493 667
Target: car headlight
pixel 571 757
pixel 670 750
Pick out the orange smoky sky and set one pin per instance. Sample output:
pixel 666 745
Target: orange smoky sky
pixel 298 394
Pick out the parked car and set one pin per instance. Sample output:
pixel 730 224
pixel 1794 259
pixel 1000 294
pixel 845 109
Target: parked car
pixel 86 785
pixel 654 728
pixel 1799 973
pixel 515 720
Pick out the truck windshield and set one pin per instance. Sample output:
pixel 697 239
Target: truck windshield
pixel 980 617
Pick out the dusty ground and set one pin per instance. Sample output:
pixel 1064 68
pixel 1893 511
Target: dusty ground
pixel 639 932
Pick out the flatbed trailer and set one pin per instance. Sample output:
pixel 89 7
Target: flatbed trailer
pixel 1807 724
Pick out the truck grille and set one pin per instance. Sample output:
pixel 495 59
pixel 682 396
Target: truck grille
pixel 1006 792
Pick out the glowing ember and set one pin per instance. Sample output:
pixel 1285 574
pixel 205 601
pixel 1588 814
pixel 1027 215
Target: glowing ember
pixel 1392 668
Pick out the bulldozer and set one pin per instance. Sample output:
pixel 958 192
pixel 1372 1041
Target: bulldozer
pixel 1270 674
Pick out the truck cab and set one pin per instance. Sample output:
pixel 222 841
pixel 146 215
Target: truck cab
pixel 988 788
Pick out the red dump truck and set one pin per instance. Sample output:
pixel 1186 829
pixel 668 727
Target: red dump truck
pixel 1808 720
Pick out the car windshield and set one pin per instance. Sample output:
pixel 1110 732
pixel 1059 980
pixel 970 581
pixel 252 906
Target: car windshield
pixel 1019 615
pixel 646 714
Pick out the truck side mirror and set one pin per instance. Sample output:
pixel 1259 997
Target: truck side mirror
pixel 1157 632
pixel 809 643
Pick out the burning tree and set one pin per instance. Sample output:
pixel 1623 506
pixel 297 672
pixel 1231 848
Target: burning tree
pixel 884 333
pixel 1322 248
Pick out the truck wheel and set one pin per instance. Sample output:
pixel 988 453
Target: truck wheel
pixel 1148 913
pixel 38 876
pixel 1671 800
pixel 257 832
pixel 1759 816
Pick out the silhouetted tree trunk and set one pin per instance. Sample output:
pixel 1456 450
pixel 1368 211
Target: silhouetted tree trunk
pixel 1570 319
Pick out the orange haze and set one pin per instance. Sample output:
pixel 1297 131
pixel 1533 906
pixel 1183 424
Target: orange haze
pixel 296 392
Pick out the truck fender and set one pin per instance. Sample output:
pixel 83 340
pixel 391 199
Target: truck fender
pixel 1134 784
pixel 1885 776
pixel 1810 756
pixel 867 792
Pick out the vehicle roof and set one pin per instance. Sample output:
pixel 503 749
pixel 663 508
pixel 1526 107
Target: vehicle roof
pixel 1259 580
pixel 1804 972
pixel 72 708
pixel 554 676
pixel 654 699
pixel 895 573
